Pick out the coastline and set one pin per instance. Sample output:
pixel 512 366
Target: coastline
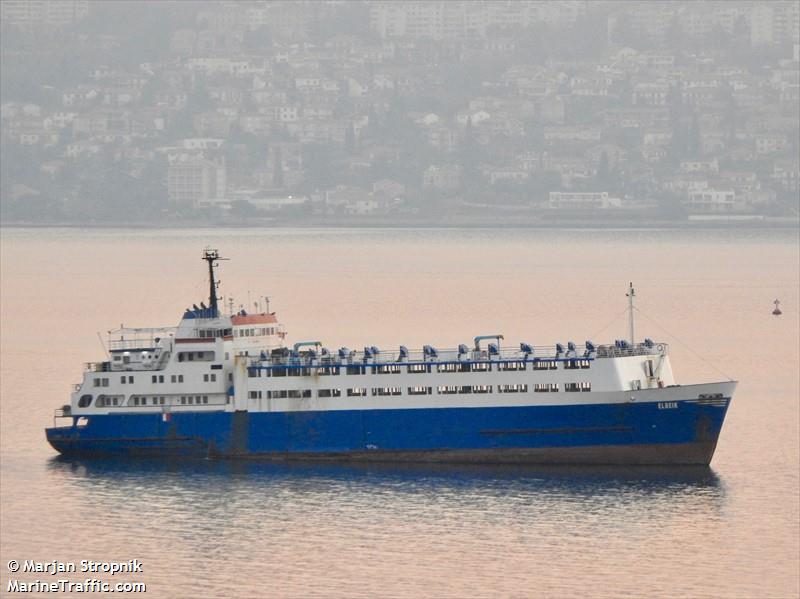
pixel 409 223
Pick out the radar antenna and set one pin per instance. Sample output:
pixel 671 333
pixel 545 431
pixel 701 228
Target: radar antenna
pixel 212 257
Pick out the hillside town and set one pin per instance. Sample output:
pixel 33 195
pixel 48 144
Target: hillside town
pixel 420 112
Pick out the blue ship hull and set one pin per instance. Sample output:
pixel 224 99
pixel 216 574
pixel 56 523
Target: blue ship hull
pixel 630 433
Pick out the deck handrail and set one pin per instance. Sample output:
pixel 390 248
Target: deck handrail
pixel 540 352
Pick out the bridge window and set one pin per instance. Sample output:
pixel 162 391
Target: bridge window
pixel 85 401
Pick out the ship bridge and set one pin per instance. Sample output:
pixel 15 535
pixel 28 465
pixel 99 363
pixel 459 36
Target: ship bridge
pixel 136 349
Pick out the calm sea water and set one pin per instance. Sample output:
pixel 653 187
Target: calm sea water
pixel 205 529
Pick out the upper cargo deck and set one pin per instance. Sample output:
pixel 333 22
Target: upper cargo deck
pixel 316 355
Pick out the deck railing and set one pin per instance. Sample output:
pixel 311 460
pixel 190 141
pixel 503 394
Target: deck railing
pixel 360 357
pixel 132 339
pixel 640 349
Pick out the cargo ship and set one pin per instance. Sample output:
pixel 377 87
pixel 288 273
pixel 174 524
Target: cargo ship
pixel 225 384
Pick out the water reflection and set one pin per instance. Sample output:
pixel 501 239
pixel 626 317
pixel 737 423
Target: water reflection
pixel 208 476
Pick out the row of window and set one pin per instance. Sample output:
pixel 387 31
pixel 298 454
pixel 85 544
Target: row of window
pixel 108 400
pixel 254 332
pixel 416 368
pixel 577 387
pixel 440 390
pixel 139 400
pixel 212 333
pixel 194 399
pixel 200 356
pixel 575 364
pixel 157 378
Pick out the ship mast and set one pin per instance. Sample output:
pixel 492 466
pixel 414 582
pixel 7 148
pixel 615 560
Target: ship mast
pixel 212 257
pixel 630 295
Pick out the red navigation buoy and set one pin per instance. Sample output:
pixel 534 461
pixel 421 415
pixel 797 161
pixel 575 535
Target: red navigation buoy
pixel 777 310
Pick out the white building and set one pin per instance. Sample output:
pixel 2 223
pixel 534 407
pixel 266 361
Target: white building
pixel 774 23
pixel 711 200
pixel 195 180
pixel 591 200
pixel 38 13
